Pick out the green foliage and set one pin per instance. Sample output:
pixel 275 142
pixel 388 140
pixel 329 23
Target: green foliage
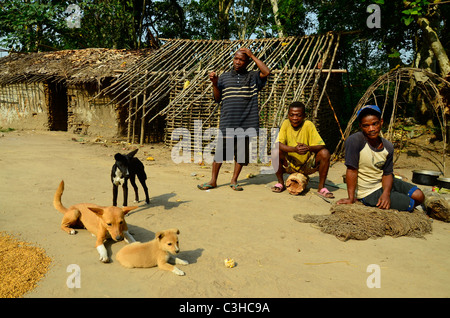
pixel 6 129
pixel 34 25
pixel 30 25
pixel 292 16
pixel 202 19
pixel 365 52
pixel 415 9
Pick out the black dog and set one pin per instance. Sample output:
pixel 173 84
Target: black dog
pixel 128 167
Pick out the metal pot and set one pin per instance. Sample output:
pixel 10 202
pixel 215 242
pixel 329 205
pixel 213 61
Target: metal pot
pixel 443 182
pixel 426 177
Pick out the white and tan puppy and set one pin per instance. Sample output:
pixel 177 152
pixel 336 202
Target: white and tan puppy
pixel 103 222
pixel 154 253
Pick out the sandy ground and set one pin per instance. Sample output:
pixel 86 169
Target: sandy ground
pixel 276 256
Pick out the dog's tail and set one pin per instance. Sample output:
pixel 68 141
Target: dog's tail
pixel 57 199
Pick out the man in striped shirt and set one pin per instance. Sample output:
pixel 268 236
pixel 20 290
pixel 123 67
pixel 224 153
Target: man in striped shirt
pixel 239 116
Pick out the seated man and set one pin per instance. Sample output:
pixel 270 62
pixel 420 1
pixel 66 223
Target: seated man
pixel 370 169
pixel 299 148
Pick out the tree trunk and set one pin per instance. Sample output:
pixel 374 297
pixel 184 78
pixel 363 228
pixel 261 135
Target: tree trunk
pixel 242 21
pixel 441 56
pixel 277 19
pixel 224 10
pixel 436 45
pixel 424 55
pixel 141 20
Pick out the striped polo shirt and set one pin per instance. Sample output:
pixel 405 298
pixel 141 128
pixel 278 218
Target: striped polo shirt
pixel 239 96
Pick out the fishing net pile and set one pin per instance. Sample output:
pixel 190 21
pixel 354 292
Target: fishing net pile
pixel 360 222
pixel 437 206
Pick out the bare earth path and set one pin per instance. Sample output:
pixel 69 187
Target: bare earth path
pixel 276 256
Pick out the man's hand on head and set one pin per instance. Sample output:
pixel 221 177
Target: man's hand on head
pixel 246 51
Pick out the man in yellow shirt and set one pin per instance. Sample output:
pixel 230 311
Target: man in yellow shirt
pixel 299 148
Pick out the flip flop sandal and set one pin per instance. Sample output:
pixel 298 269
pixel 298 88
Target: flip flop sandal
pixel 278 188
pixel 236 187
pixel 205 186
pixel 324 192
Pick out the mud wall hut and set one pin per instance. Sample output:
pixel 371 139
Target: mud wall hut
pixel 23 105
pixel 55 90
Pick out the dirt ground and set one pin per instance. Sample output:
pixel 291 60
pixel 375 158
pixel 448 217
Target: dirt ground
pixel 276 256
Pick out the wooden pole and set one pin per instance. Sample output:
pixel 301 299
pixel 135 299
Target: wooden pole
pixel 143 114
pixel 134 122
pixel 130 103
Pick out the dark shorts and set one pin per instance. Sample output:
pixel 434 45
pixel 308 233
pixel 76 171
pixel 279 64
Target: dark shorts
pixel 400 196
pixel 233 148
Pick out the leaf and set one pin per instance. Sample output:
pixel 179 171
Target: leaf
pixel 394 53
pixel 407 20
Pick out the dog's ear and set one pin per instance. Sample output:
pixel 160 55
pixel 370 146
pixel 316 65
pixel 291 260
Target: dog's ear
pixel 119 157
pixel 97 211
pixel 176 231
pixel 159 235
pixel 131 154
pixel 127 209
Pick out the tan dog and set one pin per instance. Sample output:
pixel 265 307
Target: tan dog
pixel 103 222
pixel 154 253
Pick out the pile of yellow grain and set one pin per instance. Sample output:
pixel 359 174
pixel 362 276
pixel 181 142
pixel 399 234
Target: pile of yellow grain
pixel 21 266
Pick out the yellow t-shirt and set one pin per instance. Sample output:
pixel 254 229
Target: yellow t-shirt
pixel 306 134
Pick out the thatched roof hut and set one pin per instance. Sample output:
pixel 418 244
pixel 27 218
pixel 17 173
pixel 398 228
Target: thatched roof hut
pixel 54 90
pixel 147 96
pixel 72 66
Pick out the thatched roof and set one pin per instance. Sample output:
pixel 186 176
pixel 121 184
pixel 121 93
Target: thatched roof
pixel 74 66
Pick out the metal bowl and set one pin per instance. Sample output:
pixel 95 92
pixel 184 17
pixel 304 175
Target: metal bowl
pixel 426 177
pixel 443 182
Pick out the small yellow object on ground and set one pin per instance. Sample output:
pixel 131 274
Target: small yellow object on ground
pixel 230 263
